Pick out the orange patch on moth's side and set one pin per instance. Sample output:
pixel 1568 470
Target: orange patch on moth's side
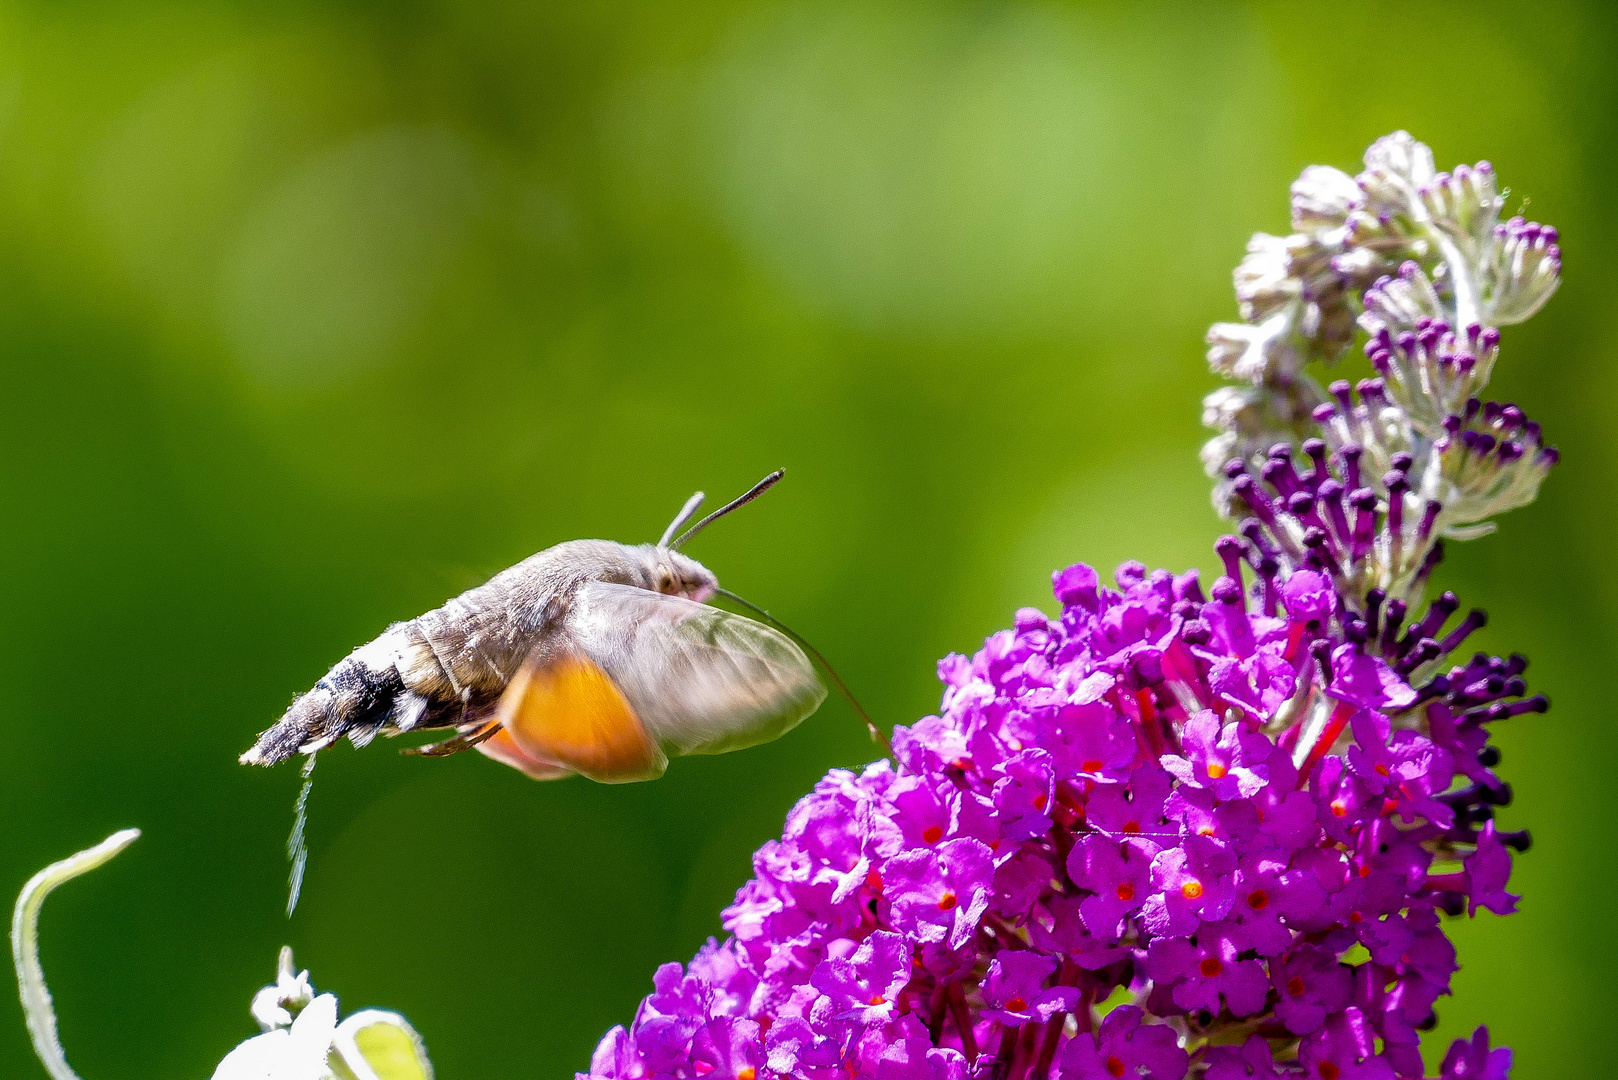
pixel 570 711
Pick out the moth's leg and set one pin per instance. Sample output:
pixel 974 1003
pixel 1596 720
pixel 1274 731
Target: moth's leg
pixel 457 744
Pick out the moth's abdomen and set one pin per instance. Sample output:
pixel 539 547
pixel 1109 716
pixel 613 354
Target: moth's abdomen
pixel 446 668
pixel 363 694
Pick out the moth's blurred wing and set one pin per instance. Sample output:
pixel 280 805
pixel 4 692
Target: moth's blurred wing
pixel 504 749
pixel 702 680
pixel 631 677
pixel 562 710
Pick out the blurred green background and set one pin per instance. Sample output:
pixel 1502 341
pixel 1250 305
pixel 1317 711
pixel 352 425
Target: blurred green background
pixel 314 314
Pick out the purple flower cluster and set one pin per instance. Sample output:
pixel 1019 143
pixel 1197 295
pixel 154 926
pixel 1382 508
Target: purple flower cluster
pixel 1174 833
pixel 1166 834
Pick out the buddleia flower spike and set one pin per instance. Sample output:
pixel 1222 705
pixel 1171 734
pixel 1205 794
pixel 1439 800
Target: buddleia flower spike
pixel 1185 831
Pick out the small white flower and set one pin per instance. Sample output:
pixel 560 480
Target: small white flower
pixel 298 1052
pixel 275 1006
pixel 302 1039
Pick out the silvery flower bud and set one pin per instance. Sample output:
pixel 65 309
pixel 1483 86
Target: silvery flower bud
pixel 1255 354
pixel 1399 303
pixel 1323 197
pixel 1419 260
pixel 1465 203
pixel 1522 269
pixel 1431 371
pixel 1364 416
pixel 1252 419
pixel 1490 459
pixel 1264 279
pixel 1396 168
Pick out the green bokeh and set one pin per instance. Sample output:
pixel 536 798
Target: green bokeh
pixel 313 314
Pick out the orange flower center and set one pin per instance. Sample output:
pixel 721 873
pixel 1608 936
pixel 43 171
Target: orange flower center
pixel 1093 765
pixel 1258 899
pixel 1191 890
pixel 1327 1071
pixel 1126 891
pixel 1295 986
pixel 1016 1004
pixel 946 901
pixel 1215 771
pixel 1115 1066
pixel 1210 967
pixel 932 833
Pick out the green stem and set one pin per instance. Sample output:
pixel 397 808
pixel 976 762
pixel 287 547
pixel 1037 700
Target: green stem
pixel 36 998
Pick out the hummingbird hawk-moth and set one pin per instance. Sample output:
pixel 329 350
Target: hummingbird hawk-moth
pixel 592 657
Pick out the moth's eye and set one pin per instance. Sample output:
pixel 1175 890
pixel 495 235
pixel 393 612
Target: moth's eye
pixel 666 583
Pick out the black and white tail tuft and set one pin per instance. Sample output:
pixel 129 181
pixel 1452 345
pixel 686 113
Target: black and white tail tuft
pixel 352 701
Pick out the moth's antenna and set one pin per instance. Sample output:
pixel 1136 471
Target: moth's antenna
pixel 297 850
pixel 870 725
pixel 687 512
pixel 752 493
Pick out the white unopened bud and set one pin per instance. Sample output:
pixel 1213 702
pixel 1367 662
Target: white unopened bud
pixel 1323 197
